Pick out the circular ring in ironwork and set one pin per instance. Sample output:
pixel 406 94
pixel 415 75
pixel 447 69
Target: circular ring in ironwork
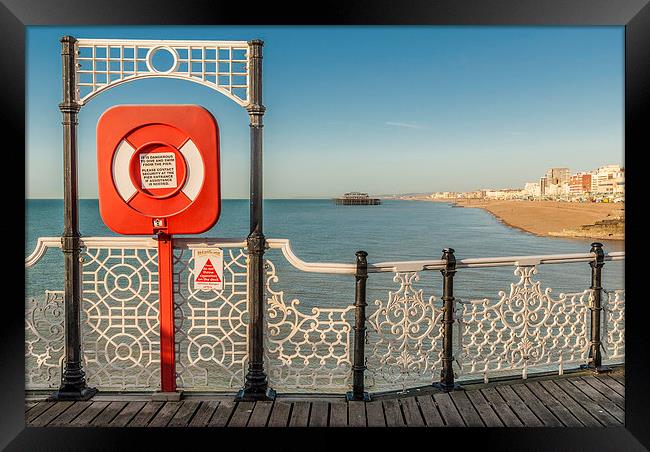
pixel 153 52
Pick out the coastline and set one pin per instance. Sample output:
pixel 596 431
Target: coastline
pixel 596 221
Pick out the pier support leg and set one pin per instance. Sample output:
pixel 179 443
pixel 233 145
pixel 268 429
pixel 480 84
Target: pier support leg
pixel 447 372
pixel 359 364
pixel 73 381
pixel 256 384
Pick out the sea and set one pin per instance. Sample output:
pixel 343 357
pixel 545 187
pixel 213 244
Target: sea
pixel 320 231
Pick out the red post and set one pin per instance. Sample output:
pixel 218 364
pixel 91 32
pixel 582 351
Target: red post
pixel 166 316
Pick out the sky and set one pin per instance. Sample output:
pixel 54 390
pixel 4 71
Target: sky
pixel 383 110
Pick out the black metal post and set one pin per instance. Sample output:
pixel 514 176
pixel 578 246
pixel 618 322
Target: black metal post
pixel 447 372
pixel 256 384
pixel 73 382
pixel 359 364
pixel 595 357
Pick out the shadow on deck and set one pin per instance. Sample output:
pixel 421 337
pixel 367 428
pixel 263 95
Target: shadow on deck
pixel 573 400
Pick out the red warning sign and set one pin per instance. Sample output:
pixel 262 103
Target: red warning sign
pixel 208 268
pixel 208 274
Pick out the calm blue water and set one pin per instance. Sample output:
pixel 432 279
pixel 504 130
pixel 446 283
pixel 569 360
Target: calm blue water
pixel 321 231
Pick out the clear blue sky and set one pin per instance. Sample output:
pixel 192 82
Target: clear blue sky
pixel 375 109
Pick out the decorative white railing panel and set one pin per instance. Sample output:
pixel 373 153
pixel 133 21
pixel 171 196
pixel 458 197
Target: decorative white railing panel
pixel 44 341
pixel 613 323
pixel 211 326
pixel 306 350
pixel 120 330
pixel 526 328
pixel 220 65
pixel 404 337
pixel 308 346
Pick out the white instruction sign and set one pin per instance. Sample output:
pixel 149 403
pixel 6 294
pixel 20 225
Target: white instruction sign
pixel 208 268
pixel 158 170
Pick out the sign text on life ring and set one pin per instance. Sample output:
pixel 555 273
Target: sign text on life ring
pixel 158 170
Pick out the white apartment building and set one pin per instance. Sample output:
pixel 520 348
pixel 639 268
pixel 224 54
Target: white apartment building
pixel 608 179
pixel 533 189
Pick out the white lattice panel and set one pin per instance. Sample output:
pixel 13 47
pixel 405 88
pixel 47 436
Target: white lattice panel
pixel 525 329
pixel 220 65
pixel 306 349
pixel 120 329
pixel 211 326
pixel 404 346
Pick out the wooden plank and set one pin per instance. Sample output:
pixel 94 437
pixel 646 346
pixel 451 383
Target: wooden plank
pixel 38 410
pixel 108 414
pixel 600 399
pixel 507 416
pixel 393 413
pixel 375 414
pixel 184 414
pixel 553 405
pixel 411 412
pixel 300 414
pixel 450 414
pixel 430 412
pixel 618 377
pixel 615 385
pixel 146 414
pixel 466 409
pixel 71 413
pixel 204 413
pixel 280 414
pixel 357 413
pixel 162 418
pixel 338 414
pixel 489 417
pixel 90 413
pixel 319 414
pixel 241 414
pixel 222 414
pixel 260 414
pixel 128 413
pixel 47 416
pixel 589 405
pixel 583 416
pixel 524 413
pixel 605 390
pixel 536 406
pixel 31 404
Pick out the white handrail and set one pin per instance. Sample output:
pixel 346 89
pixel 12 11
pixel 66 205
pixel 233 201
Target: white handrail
pixel 314 267
pixel 43 243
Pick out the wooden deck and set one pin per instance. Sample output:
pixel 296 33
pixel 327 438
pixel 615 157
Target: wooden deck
pixel 577 400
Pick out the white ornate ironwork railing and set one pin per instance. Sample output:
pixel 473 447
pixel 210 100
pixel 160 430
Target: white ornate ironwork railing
pixel 525 328
pixel 120 330
pixel 404 337
pixel 219 65
pixel 306 349
pixel 211 325
pixel 309 346
pixel 44 341
pixel 613 326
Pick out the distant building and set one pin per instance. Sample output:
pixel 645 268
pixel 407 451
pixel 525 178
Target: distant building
pixel 580 184
pixel 533 189
pixel 557 176
pixel 543 182
pixel 608 179
pixel 505 193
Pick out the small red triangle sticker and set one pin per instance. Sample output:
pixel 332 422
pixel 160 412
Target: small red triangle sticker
pixel 208 274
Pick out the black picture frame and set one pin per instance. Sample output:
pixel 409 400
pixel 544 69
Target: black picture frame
pixel 634 15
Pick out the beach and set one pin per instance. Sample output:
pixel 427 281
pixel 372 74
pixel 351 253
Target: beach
pixel 558 219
